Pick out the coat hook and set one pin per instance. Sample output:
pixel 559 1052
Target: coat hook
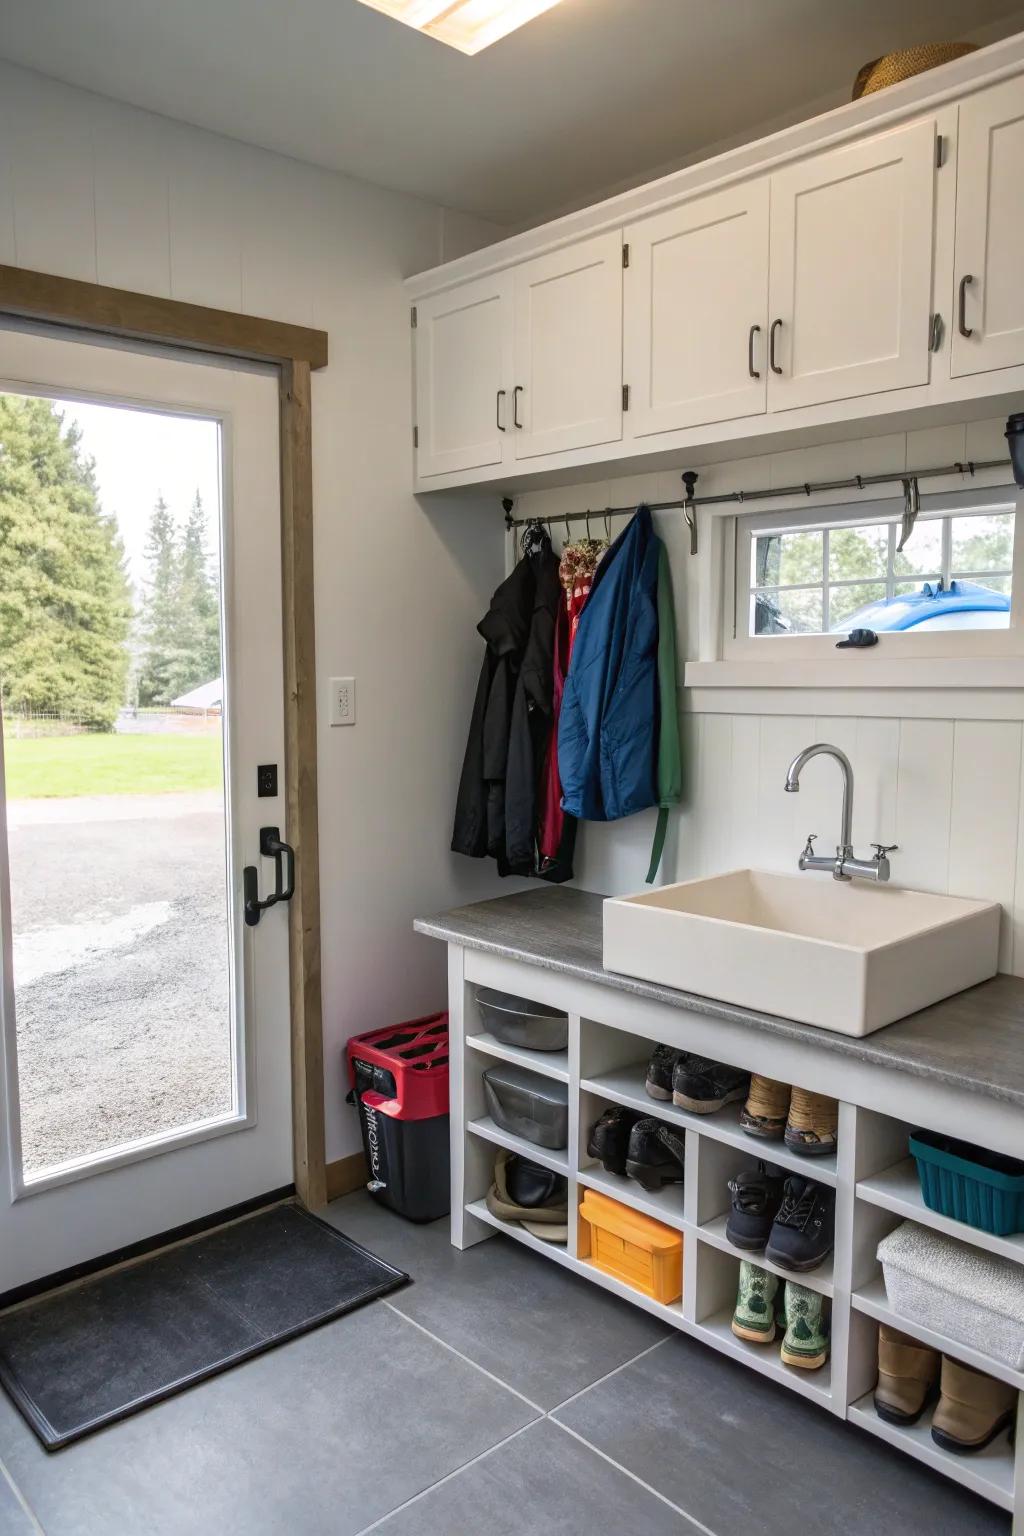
pixel 689 510
pixel 507 505
pixel 608 525
pixel 911 507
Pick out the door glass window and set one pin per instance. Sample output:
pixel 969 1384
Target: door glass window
pixel 112 692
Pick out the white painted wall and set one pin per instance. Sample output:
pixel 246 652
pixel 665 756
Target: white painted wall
pixel 93 190
pixel 948 791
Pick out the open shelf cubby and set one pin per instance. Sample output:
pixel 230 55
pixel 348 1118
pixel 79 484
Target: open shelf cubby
pixel 875 1183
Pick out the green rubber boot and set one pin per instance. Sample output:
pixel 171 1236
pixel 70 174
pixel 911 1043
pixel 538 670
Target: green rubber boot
pixel 754 1318
pixel 806 1342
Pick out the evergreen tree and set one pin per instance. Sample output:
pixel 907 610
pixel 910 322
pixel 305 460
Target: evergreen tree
pixel 181 615
pixel 160 619
pixel 64 598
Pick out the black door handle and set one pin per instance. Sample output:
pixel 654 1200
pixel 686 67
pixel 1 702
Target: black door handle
pixel 965 329
pixel 515 406
pixel 771 347
pixel 498 409
pixel 755 330
pixel 284 885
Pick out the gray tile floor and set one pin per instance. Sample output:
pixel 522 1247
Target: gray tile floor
pixel 495 1396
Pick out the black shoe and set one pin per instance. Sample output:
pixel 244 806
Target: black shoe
pixel 659 1071
pixel 656 1154
pixel 705 1086
pixel 804 1230
pixel 756 1198
pixel 609 1138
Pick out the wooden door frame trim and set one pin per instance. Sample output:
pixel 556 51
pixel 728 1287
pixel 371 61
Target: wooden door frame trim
pixel 295 351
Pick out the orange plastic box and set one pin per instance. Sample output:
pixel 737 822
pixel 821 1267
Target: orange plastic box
pixel 634 1248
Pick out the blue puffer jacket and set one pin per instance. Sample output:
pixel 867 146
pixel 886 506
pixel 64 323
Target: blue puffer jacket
pixel 608 728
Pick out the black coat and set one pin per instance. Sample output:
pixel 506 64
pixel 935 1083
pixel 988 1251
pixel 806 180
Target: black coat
pixel 497 806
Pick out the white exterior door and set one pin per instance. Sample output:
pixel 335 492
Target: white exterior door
pixel 851 270
pixel 988 330
pixel 696 308
pixel 567 392
pixel 463 377
pixel 145 1041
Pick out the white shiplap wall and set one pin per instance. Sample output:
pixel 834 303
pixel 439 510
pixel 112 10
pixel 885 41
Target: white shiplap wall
pixel 948 791
pixel 93 190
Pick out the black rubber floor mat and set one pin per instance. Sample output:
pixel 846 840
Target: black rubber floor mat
pixel 102 1349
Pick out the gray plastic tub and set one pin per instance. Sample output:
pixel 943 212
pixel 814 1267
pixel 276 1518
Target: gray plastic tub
pixel 527 1105
pixel 517 1021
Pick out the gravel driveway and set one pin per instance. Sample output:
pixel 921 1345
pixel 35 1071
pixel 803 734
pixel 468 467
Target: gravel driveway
pixel 120 968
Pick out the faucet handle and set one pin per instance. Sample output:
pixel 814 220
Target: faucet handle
pixel 882 849
pixel 812 838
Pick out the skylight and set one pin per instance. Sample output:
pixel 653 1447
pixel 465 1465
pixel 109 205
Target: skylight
pixel 469 25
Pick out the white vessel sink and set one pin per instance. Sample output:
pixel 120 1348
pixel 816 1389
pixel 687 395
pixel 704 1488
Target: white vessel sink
pixel 848 957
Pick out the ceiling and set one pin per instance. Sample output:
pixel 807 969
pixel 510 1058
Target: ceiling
pixel 591 96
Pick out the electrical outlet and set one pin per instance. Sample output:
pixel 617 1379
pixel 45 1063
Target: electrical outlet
pixel 343 701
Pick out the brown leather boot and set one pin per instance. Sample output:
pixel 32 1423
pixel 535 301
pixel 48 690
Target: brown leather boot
pixel 908 1377
pixel 973 1409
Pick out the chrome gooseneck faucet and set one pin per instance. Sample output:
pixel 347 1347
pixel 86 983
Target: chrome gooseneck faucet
pixel 844 866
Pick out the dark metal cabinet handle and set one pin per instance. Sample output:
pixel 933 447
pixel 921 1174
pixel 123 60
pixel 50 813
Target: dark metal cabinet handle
pixel 497 410
pixel 773 365
pixel 965 329
pixel 515 406
pixel 283 854
pixel 755 330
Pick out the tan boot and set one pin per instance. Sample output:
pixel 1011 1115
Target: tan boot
pixel 973 1409
pixel 764 1113
pixel 813 1124
pixel 908 1377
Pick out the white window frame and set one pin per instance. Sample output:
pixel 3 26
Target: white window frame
pixel 739 645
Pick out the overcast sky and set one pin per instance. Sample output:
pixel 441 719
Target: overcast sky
pixel 141 455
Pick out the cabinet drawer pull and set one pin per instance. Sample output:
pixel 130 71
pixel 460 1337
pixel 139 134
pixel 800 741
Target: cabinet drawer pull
pixel 755 330
pixel 497 410
pixel 515 406
pixel 773 365
pixel 965 329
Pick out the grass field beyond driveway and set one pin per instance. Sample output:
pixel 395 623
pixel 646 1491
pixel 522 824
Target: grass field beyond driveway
pixel 58 767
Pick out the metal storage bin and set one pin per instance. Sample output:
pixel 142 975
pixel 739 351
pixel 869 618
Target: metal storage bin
pixel 527 1105
pixel 517 1021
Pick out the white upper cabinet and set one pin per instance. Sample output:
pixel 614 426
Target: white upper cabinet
pixel 567 390
pixel 989 301
pixel 851 269
pixel 696 308
pixel 463 373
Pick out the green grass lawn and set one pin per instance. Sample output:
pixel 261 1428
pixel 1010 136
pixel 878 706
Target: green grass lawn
pixel 56 767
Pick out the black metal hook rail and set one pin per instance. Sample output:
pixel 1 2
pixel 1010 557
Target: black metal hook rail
pixel 689 501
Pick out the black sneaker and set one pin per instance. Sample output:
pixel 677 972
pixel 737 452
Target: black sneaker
pixel 656 1154
pixel 705 1086
pixel 609 1138
pixel 804 1230
pixel 659 1071
pixel 756 1198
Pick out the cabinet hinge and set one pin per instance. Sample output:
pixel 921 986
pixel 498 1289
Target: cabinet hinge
pixel 625 255
pixel 936 330
pixel 625 397
pixel 415 437
pixel 940 150
pixel 412 317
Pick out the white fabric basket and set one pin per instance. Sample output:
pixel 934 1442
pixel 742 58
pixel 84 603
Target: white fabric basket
pixel 972 1297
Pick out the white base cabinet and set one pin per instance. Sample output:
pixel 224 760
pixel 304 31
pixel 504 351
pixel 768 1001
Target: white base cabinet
pixel 611 1035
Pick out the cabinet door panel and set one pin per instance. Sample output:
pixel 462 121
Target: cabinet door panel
pixel 463 360
pixel 990 230
pixel 697 283
pixel 568 348
pixel 851 269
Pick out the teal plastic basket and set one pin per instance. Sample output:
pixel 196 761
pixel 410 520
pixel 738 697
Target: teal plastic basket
pixel 981 1189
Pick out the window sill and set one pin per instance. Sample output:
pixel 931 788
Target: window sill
pixel 978 688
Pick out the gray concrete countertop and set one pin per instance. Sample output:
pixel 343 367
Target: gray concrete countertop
pixel 974 1041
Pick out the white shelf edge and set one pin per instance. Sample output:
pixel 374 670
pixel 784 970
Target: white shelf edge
pixel 619 1086
pixel 897 1189
pixel 765 1359
pixel 989 1473
pixel 628 1192
pixel 486 1128
pixel 547 1063
pixel 872 1300
pixel 820 1280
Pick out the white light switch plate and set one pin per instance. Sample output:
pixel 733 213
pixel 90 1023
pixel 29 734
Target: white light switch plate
pixel 343 701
